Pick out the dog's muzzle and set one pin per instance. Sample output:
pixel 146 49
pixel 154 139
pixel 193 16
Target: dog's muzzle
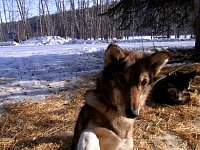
pixel 131 114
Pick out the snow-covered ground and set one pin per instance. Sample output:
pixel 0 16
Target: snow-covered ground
pixel 43 66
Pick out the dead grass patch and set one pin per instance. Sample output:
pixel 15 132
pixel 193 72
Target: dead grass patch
pixel 49 124
pixel 39 125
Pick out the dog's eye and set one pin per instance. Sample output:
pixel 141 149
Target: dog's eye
pixel 144 82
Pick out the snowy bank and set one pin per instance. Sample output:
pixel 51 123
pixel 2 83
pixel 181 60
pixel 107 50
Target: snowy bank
pixel 35 68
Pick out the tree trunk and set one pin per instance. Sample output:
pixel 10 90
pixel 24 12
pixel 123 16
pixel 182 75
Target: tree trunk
pixel 1 30
pixel 196 54
pixel 22 11
pixel 197 28
pixel 197 34
pixel 74 17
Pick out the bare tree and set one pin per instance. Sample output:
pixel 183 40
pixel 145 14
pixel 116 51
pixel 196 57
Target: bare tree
pixel 2 38
pixel 5 15
pixel 63 23
pixel 75 20
pixel 46 25
pixel 21 4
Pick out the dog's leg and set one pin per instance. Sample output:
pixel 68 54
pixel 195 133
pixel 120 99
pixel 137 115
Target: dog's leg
pixel 88 141
pixel 110 141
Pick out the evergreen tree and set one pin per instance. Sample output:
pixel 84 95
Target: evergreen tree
pixel 159 15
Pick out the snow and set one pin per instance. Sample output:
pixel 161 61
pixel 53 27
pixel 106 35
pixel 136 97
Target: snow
pixel 43 66
pixel 8 43
pixel 48 40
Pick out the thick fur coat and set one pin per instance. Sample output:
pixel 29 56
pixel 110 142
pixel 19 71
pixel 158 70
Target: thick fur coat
pixel 122 89
pixel 171 89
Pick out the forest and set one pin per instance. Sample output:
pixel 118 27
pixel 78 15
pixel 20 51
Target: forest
pixel 86 19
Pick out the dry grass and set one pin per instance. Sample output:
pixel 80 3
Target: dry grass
pixel 39 125
pixel 48 124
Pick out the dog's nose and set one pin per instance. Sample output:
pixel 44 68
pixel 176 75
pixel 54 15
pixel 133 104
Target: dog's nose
pixel 135 112
pixel 130 114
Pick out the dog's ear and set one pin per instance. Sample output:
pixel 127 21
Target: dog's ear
pixel 157 61
pixel 114 53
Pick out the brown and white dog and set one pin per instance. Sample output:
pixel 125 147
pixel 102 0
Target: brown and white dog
pixel 106 120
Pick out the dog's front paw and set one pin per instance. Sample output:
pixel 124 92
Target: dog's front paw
pixel 88 141
pixel 128 143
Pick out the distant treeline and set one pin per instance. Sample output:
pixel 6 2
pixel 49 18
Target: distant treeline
pixel 85 22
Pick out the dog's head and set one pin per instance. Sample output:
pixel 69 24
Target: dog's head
pixel 182 80
pixel 127 77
